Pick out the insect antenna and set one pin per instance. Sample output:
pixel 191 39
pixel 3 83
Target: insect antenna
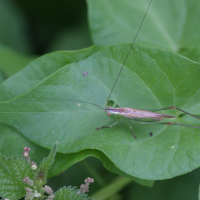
pixel 128 53
pixel 174 107
pixel 86 102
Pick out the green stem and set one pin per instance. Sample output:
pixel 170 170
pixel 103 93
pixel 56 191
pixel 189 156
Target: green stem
pixel 111 189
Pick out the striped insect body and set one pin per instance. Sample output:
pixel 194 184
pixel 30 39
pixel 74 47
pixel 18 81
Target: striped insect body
pixel 135 114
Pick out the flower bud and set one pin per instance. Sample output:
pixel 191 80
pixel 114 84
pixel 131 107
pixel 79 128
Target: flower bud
pixel 48 189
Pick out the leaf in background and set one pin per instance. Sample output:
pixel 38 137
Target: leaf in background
pixel 2 76
pixel 11 61
pixel 72 38
pixel 193 54
pixel 13 27
pixel 152 78
pixel 168 24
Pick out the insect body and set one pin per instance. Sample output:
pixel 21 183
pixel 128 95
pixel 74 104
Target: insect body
pixel 132 114
pixel 142 116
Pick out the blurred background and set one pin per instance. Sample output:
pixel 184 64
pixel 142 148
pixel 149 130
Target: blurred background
pixel 32 28
pixel 38 27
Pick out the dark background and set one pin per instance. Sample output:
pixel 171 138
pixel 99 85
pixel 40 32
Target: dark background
pixel 45 25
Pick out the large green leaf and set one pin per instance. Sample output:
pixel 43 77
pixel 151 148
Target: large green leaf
pixel 38 70
pixel 152 78
pixel 169 24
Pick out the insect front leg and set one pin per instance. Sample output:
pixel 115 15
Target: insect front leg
pixel 132 132
pixel 107 126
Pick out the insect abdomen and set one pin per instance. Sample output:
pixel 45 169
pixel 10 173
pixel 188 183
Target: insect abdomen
pixel 142 119
pixel 131 114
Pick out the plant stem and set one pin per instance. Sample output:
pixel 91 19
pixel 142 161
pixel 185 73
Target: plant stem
pixel 111 189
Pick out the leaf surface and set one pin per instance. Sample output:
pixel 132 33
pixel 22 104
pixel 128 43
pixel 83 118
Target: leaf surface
pixel 38 70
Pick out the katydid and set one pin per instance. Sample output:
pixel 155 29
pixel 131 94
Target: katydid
pixel 137 116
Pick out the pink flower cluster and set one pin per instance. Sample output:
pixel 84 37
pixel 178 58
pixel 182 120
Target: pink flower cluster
pixel 85 187
pixel 27 157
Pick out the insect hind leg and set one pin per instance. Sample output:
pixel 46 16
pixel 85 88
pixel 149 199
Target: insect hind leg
pixel 132 132
pixel 107 126
pixel 174 107
pixel 171 123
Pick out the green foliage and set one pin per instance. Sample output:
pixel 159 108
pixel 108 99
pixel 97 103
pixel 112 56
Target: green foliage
pixel 40 176
pixel 35 109
pixel 70 193
pixel 18 178
pixel 13 170
pixel 13 25
pixel 169 24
